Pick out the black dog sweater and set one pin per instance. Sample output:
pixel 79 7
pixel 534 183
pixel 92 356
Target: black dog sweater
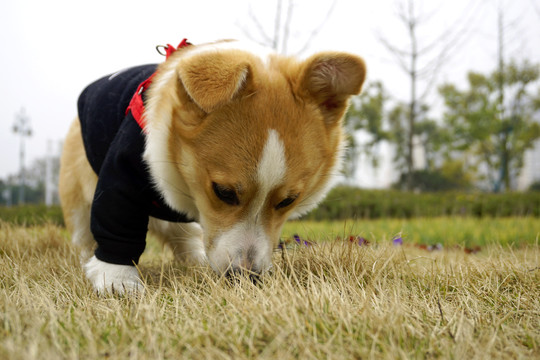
pixel 125 196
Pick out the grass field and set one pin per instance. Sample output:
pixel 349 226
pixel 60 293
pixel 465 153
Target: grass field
pixel 331 300
pixel 447 231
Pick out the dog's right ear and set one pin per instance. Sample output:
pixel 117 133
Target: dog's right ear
pixel 331 78
pixel 211 79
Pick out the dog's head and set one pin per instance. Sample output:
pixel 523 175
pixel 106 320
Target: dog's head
pixel 242 141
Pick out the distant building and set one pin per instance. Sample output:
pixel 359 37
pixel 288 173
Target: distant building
pixel 531 168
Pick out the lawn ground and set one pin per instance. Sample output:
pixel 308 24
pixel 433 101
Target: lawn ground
pixel 330 300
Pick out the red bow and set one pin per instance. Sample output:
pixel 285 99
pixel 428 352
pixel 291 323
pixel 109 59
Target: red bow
pixel 169 49
pixel 136 105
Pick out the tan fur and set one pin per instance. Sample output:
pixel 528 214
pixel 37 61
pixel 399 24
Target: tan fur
pixel 209 112
pixel 212 84
pixel 77 184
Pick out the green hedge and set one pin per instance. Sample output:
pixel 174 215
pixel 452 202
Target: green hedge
pixel 29 215
pixel 351 203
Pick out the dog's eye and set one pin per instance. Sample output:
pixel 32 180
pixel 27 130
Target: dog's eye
pixel 225 194
pixel 284 203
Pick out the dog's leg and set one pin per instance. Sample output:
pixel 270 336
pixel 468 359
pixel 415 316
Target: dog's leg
pixel 77 184
pixel 81 236
pixel 76 187
pixel 105 277
pixel 184 239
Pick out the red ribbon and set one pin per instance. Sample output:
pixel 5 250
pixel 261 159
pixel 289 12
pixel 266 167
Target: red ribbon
pixel 169 49
pixel 136 105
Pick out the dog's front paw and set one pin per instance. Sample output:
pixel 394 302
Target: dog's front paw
pixel 113 278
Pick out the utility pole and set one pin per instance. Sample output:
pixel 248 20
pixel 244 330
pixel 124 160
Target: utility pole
pixel 22 127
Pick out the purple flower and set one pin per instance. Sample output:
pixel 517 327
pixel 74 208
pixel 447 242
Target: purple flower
pixel 397 241
pixel 301 241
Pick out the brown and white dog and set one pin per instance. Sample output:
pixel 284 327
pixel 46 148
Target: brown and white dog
pixel 239 139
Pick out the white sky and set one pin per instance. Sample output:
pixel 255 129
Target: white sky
pixel 50 50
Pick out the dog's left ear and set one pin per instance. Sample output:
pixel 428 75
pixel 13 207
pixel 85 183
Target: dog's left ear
pixel 213 79
pixel 330 78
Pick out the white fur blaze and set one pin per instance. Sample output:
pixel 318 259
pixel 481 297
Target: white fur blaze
pixel 113 278
pixel 272 166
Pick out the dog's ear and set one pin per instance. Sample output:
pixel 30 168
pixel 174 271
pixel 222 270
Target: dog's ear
pixel 330 78
pixel 212 79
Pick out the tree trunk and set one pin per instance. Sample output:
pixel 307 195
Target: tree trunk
pixel 412 105
pixel 504 175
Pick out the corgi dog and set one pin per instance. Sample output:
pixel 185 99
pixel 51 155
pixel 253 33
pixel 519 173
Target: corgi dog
pixel 211 151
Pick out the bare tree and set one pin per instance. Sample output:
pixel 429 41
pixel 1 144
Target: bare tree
pixel 500 86
pixel 279 36
pixel 421 63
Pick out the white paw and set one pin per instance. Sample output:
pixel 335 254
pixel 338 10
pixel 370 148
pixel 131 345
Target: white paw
pixel 113 278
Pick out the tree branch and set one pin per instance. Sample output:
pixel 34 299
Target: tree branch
pixel 286 28
pixel 266 39
pixel 318 29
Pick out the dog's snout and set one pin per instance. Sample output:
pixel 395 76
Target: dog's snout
pixel 251 254
pixel 246 259
pixel 239 251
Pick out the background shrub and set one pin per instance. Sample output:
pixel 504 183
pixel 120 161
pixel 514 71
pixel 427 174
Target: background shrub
pixel 345 202
pixel 29 215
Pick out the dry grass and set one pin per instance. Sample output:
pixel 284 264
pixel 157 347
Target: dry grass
pixel 331 300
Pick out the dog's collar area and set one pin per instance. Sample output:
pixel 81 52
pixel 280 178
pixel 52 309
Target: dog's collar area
pixel 136 105
pixel 168 50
